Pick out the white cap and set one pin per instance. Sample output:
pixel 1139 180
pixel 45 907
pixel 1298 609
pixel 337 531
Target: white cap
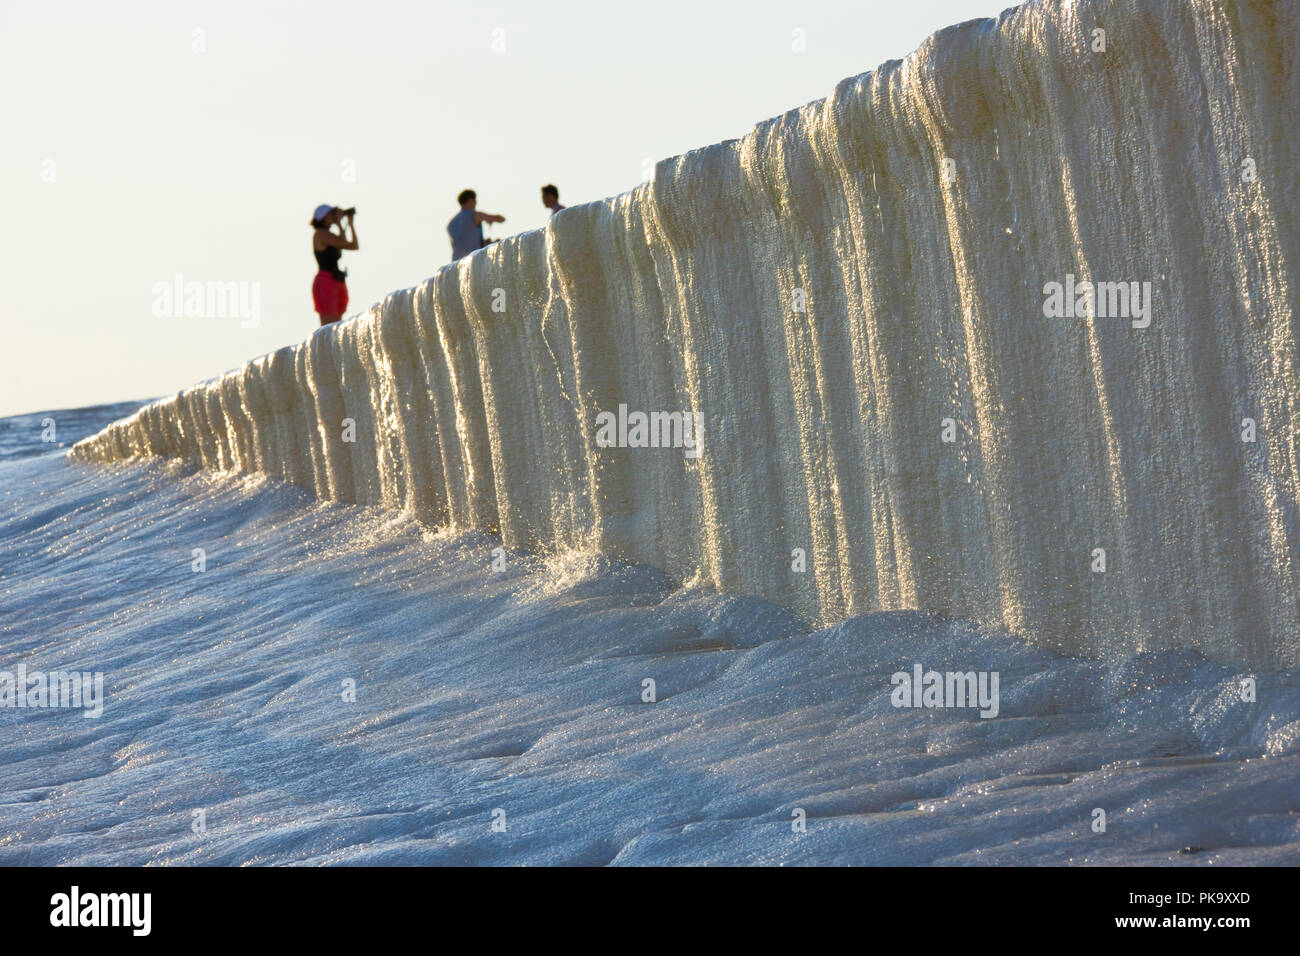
pixel 321 212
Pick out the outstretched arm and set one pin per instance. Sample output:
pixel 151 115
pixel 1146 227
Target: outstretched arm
pixel 482 217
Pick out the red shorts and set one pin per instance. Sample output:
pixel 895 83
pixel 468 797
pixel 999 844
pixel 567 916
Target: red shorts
pixel 329 294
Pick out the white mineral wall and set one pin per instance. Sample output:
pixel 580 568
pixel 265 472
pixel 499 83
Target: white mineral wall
pixel 924 301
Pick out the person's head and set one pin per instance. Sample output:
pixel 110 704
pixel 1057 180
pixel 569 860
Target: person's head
pixel 468 199
pixel 324 216
pixel 550 196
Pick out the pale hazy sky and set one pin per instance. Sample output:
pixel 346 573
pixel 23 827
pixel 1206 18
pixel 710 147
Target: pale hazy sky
pixel 146 139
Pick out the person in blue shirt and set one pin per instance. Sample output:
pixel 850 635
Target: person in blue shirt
pixel 466 227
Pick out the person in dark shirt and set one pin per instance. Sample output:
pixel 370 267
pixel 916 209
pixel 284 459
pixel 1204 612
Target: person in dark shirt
pixel 329 291
pixel 551 198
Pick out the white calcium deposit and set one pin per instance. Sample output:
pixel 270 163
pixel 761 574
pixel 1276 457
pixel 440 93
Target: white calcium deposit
pixel 822 295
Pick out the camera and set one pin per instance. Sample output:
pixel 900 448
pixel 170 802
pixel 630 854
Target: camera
pixel 350 211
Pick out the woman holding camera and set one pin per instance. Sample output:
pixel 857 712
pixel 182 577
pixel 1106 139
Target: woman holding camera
pixel 329 291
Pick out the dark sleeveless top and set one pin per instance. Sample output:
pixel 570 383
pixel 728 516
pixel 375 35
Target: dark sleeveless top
pixel 328 261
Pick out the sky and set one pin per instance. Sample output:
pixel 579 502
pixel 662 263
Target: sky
pixel 148 144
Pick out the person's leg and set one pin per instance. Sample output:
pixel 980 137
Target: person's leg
pixel 327 319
